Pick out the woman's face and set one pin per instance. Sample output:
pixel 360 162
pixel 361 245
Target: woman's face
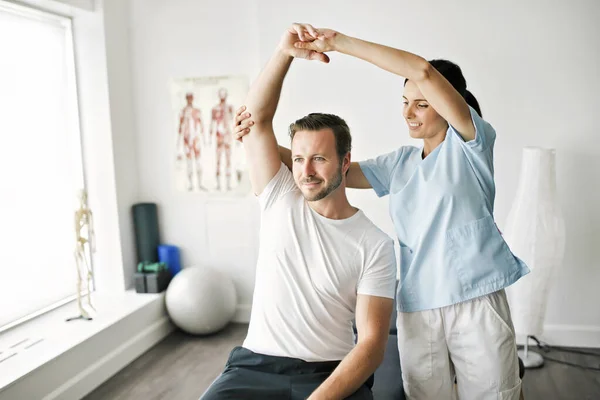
pixel 422 120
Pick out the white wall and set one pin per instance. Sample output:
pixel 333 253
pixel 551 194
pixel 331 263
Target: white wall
pixel 532 65
pixel 179 39
pixel 119 72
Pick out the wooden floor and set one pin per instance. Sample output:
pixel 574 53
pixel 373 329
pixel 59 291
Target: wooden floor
pixel 181 367
pixel 559 381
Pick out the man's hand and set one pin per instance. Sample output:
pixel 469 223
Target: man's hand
pixel 301 33
pixel 241 123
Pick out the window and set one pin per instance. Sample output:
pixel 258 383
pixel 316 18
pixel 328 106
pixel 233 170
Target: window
pixel 40 163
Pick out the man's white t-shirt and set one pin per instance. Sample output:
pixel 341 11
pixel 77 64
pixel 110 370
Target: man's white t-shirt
pixel 309 272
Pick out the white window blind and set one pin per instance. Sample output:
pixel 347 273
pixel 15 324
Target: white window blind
pixel 40 162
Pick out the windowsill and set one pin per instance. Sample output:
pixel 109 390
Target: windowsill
pixel 58 336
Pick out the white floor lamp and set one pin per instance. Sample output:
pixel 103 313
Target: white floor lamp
pixel 535 232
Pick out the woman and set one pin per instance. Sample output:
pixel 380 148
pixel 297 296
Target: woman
pixel 454 319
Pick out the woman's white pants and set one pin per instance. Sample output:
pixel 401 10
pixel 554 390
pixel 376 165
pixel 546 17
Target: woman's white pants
pixel 473 341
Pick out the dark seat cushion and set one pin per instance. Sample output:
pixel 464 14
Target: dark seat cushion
pixel 388 376
pixel 393 330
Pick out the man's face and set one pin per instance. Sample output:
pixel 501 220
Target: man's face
pixel 316 167
pixel 189 98
pixel 222 94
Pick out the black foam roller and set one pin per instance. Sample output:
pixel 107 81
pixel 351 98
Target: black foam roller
pixel 145 222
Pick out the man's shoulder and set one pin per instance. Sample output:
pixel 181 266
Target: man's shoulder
pixel 373 236
pixel 289 207
pixel 281 190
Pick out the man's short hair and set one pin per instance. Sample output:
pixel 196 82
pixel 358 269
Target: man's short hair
pixel 318 121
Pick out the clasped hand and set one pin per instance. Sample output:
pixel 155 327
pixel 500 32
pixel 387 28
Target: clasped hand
pixel 299 41
pixel 305 41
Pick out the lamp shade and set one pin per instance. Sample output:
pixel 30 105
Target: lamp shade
pixel 535 232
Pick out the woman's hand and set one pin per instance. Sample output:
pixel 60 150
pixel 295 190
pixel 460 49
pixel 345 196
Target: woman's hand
pixel 242 123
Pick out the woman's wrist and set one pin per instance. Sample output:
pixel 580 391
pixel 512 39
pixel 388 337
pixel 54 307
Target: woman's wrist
pixel 341 42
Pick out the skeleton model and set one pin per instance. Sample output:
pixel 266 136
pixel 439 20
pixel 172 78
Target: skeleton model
pixel 84 226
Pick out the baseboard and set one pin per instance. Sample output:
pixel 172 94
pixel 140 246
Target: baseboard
pixel 242 313
pixel 568 336
pixel 104 368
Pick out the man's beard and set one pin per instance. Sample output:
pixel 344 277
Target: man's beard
pixel 326 191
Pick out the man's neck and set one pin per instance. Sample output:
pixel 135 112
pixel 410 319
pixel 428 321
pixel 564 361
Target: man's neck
pixel 334 206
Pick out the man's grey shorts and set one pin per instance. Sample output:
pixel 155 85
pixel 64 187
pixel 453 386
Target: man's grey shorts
pixel 250 375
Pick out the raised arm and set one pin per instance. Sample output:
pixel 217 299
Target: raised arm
pixel 355 178
pixel 438 92
pixel 260 144
pixel 373 324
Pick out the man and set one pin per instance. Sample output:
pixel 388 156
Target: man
pixel 191 129
pixel 220 127
pixel 321 264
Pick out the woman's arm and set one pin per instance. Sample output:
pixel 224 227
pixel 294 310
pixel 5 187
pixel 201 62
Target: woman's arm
pixel 356 179
pixel 440 94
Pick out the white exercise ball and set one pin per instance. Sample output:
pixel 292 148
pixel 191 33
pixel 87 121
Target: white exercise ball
pixel 201 300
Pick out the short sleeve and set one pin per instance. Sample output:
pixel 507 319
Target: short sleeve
pixel 379 275
pixel 480 153
pixel 485 135
pixel 379 170
pixel 281 184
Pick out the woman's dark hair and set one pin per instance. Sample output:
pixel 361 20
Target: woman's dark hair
pixel 454 75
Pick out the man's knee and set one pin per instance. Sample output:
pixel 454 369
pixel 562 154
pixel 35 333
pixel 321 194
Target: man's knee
pixel 218 389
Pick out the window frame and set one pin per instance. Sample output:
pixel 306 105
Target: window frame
pixel 75 139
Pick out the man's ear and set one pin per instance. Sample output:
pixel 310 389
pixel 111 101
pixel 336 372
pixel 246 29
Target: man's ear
pixel 346 164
